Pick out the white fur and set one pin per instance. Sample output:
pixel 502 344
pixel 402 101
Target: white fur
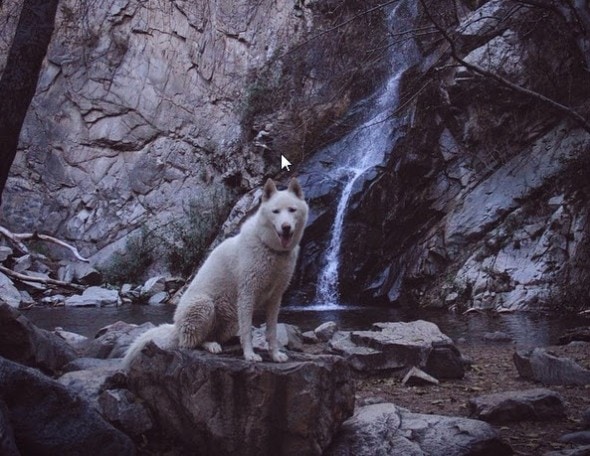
pixel 248 271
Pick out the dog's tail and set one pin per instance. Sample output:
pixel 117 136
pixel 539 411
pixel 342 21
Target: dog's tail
pixel 164 336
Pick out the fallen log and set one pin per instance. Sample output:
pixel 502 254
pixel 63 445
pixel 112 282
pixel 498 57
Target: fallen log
pixel 44 280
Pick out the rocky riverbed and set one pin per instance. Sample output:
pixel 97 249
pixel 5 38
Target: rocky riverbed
pixel 396 387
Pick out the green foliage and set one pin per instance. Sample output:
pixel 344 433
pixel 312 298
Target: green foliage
pixel 132 263
pixel 192 235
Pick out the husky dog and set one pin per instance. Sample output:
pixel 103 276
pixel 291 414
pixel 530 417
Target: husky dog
pixel 250 270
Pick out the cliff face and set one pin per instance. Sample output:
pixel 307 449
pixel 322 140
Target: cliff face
pixel 148 107
pixel 483 202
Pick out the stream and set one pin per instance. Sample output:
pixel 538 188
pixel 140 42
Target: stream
pixel 526 328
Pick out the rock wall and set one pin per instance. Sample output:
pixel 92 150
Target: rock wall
pixel 482 203
pixel 145 108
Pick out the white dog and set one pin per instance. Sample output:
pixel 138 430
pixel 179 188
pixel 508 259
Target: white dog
pixel 248 271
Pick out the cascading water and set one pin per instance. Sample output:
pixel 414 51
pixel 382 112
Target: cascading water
pixel 365 148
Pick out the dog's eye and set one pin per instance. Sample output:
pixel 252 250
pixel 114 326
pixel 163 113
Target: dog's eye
pixel 292 209
pixel 275 211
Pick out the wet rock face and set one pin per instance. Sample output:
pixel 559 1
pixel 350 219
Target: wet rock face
pixel 224 405
pixel 481 201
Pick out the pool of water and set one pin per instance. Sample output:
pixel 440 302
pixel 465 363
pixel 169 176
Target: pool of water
pixel 526 328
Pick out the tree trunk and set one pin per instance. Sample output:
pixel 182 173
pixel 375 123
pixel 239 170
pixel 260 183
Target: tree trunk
pixel 21 73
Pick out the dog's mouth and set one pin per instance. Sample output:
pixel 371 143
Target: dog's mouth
pixel 285 238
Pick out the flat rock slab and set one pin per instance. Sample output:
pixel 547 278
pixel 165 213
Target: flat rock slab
pixel 223 405
pixel 540 366
pixel 534 404
pixel 385 429
pixel 400 346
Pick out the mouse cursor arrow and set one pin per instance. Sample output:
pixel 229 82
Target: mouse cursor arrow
pixel 285 163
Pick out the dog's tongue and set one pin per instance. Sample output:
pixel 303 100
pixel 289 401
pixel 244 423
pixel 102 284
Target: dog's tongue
pixel 285 240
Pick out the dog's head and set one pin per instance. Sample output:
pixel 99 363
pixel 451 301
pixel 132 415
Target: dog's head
pixel 285 213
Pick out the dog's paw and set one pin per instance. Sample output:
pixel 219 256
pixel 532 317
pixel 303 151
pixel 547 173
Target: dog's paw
pixel 252 357
pixel 212 347
pixel 279 357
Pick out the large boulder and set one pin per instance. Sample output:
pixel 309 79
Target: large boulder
pixel 223 405
pixel 385 429
pixel 536 404
pixel 48 419
pixel 399 347
pixel 23 342
pixel 540 366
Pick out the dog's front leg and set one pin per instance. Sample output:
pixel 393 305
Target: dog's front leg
pixel 272 315
pixel 245 312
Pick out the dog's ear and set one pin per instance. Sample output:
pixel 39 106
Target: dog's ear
pixel 269 189
pixel 295 188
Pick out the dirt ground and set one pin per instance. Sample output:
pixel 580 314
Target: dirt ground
pixel 492 371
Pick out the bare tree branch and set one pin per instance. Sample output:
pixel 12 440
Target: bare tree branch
pixel 503 81
pixel 17 238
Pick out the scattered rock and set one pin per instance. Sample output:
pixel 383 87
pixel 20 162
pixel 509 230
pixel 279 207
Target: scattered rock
pixel 5 252
pixel 22 263
pixel 79 272
pixel 384 429
pixel 223 405
pixel 400 346
pixel 113 340
pixel 94 297
pixel 540 366
pixel 416 376
pixel 325 331
pixel 580 451
pixel 535 404
pixel 48 419
pixel 288 336
pixel 578 438
pixel 309 337
pixel 23 342
pixel 497 336
pixel 121 408
pixel 88 384
pixel 581 333
pixel 153 286
pixel 158 298
pixel 76 341
pixel 586 418
pixel 8 292
pixel 80 364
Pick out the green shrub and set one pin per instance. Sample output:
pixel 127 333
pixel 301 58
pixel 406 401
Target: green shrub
pixel 129 265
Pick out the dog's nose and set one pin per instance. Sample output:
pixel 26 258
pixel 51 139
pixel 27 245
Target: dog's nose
pixel 286 228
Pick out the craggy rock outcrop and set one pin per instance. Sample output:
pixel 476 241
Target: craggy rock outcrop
pixel 385 429
pixel 48 419
pixel 398 347
pixel 224 405
pixel 22 342
pixel 482 202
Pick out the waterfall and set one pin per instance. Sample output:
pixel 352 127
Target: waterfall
pixel 365 148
